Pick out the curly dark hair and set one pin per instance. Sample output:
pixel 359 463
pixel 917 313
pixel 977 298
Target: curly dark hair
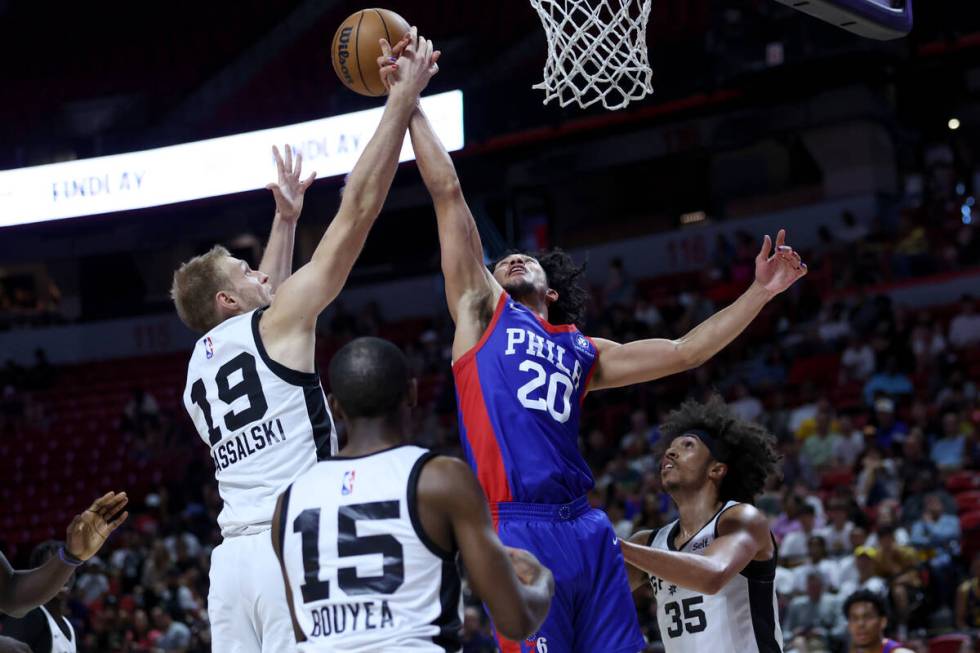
pixel 563 277
pixel 865 596
pixel 746 447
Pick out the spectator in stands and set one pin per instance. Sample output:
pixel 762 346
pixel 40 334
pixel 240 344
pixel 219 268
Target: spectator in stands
pixel 937 535
pixel 474 637
pixel 888 517
pixel 819 445
pixel 864 565
pixel 889 430
pixel 646 313
pixel 968 598
pixel 851 443
pixel 141 409
pixel 175 635
pixel 834 325
pixel 818 562
pixel 898 565
pixel 793 549
pixel 928 343
pixel 857 361
pixel 964 329
pixel 745 406
pixel 876 478
pixel 847 565
pixel 948 451
pixel 805 410
pixel 837 533
pixel 618 288
pixel 888 381
pixel 813 618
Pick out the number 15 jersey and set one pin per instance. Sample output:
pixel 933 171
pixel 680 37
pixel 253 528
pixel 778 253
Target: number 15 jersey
pixel 265 423
pixel 519 392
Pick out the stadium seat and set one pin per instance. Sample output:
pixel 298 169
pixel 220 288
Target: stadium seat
pixel 968 501
pixel 963 481
pixel 949 643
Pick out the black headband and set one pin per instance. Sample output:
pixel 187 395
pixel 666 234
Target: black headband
pixel 713 445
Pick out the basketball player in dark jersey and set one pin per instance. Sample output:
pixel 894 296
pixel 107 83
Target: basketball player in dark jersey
pixel 712 570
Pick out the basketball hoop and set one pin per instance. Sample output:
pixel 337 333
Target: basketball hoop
pixel 597 51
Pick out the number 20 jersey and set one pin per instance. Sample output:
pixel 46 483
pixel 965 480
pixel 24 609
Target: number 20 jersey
pixel 264 423
pixel 519 392
pixel 741 618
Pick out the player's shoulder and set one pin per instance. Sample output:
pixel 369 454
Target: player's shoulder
pixel 644 537
pixel 742 517
pixel 447 481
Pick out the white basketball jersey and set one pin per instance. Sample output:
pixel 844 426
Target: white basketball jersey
pixel 742 618
pixel 60 643
pixel 363 576
pixel 265 423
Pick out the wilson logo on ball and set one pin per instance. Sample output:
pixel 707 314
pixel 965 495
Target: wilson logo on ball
pixel 343 54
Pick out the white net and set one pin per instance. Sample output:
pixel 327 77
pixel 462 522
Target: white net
pixel 597 51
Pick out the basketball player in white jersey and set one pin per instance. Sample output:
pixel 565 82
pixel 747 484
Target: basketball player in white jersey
pixel 45 628
pixel 368 540
pixel 252 389
pixel 712 570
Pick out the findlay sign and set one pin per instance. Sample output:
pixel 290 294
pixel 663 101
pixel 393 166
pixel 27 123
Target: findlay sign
pixel 190 171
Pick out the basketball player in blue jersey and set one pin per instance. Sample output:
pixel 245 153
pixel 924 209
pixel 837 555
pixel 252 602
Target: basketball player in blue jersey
pixel 712 570
pixel 522 370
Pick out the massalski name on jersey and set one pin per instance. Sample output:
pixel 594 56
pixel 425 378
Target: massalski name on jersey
pixel 246 443
pixel 340 618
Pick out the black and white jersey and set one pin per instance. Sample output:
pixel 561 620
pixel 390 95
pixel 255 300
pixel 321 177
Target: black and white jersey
pixel 61 641
pixel 265 423
pixel 742 618
pixel 362 575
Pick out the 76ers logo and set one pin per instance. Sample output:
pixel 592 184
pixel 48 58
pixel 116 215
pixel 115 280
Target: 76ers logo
pixel 535 644
pixel 347 487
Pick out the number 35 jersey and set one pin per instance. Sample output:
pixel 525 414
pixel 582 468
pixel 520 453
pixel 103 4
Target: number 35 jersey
pixel 265 423
pixel 519 392
pixel 741 618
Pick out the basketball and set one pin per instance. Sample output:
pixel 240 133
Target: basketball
pixel 355 48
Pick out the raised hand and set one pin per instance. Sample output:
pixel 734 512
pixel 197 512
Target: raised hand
pixel 410 63
pixel 88 531
pixel 779 271
pixel 289 189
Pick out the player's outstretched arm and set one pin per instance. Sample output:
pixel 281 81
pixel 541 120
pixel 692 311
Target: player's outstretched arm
pixel 467 278
pixel 647 360
pixel 21 591
pixel 288 191
pixel 307 292
pixel 515 587
pixel 636 575
pixel 743 533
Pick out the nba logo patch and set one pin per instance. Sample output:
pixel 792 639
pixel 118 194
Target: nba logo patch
pixel 347 487
pixel 208 347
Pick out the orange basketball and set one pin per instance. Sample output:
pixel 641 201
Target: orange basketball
pixel 355 48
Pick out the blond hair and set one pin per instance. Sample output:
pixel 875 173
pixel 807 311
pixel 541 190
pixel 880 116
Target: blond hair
pixel 196 282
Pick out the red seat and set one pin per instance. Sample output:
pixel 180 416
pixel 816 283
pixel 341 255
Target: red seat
pixel 968 501
pixel 949 644
pixel 963 481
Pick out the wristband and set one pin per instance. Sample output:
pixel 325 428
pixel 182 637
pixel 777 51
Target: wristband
pixel 68 558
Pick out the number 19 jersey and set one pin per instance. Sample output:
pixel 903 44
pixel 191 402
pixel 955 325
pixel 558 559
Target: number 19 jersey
pixel 265 423
pixel 742 618
pixel 519 392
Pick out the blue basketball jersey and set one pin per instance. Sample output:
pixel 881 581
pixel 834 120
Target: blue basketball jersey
pixel 520 391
